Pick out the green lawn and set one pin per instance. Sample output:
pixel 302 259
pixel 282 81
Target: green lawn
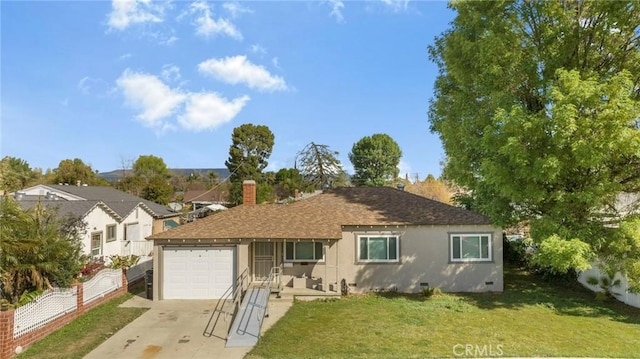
pixel 81 336
pixel 530 318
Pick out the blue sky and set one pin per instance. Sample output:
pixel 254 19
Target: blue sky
pixel 110 81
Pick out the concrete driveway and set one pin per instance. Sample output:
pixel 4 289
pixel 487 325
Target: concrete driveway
pixel 174 329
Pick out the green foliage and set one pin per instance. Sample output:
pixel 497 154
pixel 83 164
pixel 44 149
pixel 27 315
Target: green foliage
pixel 562 255
pixel 15 174
pixel 157 190
pixel 537 106
pixel 124 261
pixel 319 164
pixel 39 249
pixel 29 296
pixel 429 292
pixel 71 171
pixel 288 180
pixel 150 180
pixel 150 166
pixel 375 160
pixel 606 284
pixel 133 185
pixel 250 148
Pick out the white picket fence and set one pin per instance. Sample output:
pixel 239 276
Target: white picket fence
pixel 625 296
pixel 57 302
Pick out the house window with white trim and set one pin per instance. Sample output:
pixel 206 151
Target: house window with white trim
pixel 111 232
pixel 378 248
pixel 96 244
pixel 303 251
pixel 473 247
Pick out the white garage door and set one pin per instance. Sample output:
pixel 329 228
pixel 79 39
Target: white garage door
pixel 197 272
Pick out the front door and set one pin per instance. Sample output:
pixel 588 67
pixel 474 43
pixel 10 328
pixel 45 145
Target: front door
pixel 263 259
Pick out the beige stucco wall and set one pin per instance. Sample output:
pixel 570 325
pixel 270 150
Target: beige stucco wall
pixel 424 260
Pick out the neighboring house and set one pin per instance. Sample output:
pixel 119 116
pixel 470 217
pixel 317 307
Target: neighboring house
pixel 117 223
pixel 369 238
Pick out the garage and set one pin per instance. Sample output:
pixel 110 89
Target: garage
pixel 197 272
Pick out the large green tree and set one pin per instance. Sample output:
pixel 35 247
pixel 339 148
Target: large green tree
pixel 70 171
pixel 150 180
pixel 319 164
pixel 149 166
pixel 375 160
pixel 251 146
pixel 38 249
pixel 15 174
pixel 537 108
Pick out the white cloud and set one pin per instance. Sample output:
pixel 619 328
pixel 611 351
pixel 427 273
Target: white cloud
pixel 124 57
pixel 207 26
pixel 275 62
pixel 237 69
pixel 150 95
pixel 169 40
pixel 235 9
pixel 157 103
pixel 93 86
pixel 129 12
pixel 170 73
pixel 257 49
pixel 396 5
pixel 336 9
pixel 209 110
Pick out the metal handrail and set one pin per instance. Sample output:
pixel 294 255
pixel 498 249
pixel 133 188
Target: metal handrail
pixel 219 308
pixel 265 283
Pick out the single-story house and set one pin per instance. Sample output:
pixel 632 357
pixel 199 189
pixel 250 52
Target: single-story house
pixel 117 223
pixel 367 238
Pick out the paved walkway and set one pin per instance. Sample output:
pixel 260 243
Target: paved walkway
pixel 174 329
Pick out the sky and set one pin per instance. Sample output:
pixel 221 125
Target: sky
pixel 108 81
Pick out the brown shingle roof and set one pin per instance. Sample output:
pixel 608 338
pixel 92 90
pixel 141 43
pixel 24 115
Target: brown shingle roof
pixel 322 216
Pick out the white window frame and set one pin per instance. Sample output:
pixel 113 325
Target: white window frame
pixel 99 248
pixel 461 236
pixel 378 235
pixel 294 260
pixel 115 233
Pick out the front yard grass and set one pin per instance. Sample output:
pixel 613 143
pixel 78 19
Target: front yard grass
pixel 531 318
pixel 81 336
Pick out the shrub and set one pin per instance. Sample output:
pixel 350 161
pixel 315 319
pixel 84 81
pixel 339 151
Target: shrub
pixel 429 292
pixel 91 268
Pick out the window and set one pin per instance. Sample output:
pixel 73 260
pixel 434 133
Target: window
pixel 96 244
pixel 111 233
pixel 378 248
pixel 470 247
pixel 303 251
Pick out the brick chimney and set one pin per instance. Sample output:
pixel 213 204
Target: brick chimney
pixel 249 192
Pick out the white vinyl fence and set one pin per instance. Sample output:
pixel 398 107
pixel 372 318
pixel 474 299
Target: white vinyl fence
pixel 104 282
pixel 45 308
pixel 57 302
pixel 625 296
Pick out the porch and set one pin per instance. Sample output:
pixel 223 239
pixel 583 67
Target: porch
pixel 304 267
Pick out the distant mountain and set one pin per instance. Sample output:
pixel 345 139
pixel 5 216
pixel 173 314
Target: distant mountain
pixel 116 175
